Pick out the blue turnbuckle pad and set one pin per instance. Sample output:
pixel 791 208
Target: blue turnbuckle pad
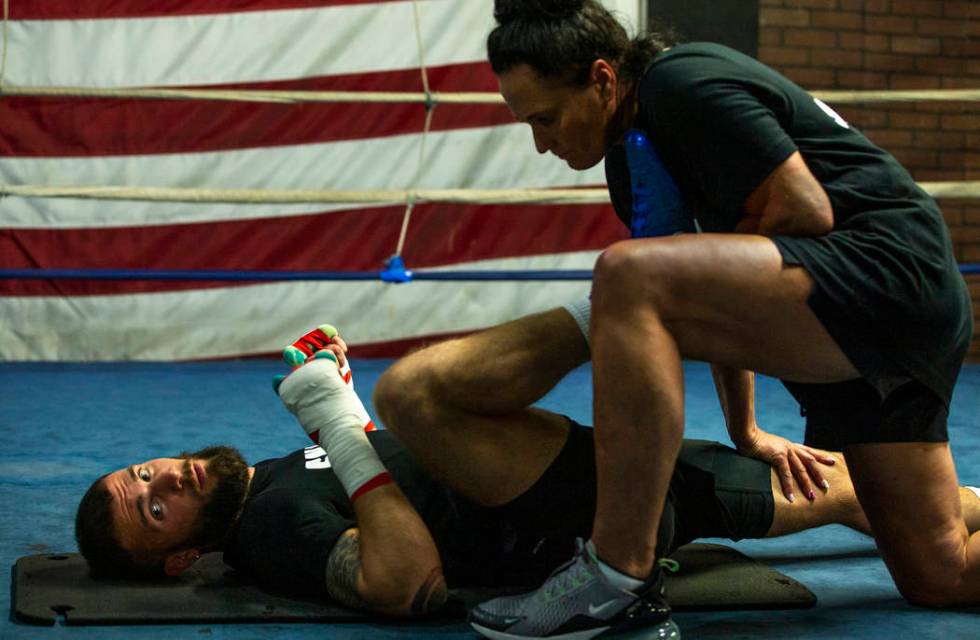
pixel 395 271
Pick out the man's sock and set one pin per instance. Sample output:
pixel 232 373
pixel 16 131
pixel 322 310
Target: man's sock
pixel 581 311
pixel 331 414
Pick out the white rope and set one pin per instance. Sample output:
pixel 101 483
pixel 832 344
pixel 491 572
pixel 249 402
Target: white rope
pixel 429 110
pixel 965 190
pixel 247 95
pixel 944 190
pixel 867 97
pixel 410 198
pixel 272 196
pixel 3 53
pixel 421 48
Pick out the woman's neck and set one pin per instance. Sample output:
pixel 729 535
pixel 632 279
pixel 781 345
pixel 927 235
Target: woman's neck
pixel 625 115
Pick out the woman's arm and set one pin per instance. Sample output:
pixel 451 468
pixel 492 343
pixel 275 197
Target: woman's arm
pixel 736 393
pixel 389 564
pixel 789 202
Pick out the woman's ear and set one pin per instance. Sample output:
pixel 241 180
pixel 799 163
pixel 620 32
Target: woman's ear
pixel 605 78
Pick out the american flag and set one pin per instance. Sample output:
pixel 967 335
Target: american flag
pixel 356 45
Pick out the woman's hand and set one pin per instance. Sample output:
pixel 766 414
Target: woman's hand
pixel 795 464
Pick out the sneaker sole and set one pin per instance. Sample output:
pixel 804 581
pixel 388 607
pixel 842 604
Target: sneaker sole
pixel 664 631
pixel 494 634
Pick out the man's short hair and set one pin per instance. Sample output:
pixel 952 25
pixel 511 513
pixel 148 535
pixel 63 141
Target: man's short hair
pixel 95 532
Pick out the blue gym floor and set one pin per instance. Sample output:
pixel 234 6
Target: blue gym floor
pixel 62 425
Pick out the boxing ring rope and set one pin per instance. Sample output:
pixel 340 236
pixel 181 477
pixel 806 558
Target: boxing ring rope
pixel 956 190
pixel 395 271
pixel 432 97
pixel 3 47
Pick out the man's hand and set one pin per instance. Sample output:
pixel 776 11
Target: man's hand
pixel 794 463
pixel 323 343
pixel 323 338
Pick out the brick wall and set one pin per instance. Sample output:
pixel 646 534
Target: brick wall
pixel 895 44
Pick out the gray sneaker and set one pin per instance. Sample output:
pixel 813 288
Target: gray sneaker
pixel 577 602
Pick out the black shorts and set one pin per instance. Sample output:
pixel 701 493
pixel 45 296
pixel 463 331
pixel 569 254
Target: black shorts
pixel 853 412
pixel 714 493
pixel 888 291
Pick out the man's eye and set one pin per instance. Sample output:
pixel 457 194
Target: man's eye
pixel 156 511
pixel 144 475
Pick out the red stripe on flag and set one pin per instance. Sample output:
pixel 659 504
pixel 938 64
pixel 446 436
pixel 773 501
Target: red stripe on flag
pixel 99 9
pixel 34 127
pixel 358 240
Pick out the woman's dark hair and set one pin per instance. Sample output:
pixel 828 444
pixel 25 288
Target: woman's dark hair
pixel 560 39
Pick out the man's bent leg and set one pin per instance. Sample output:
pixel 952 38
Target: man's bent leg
pixel 838 505
pixel 460 406
pixel 910 495
pixel 841 506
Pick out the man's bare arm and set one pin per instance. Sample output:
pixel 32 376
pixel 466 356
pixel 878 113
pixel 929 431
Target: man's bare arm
pixel 343 571
pixel 389 564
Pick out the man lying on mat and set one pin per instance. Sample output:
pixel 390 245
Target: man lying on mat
pixel 356 519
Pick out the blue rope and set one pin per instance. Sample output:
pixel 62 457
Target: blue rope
pixel 254 276
pixel 259 276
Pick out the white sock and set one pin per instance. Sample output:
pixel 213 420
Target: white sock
pixel 616 578
pixel 581 310
pixel 331 414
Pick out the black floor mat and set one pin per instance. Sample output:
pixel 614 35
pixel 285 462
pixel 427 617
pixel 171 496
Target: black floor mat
pixel 46 587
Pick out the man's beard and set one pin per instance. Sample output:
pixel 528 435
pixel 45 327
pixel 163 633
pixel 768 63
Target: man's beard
pixel 228 469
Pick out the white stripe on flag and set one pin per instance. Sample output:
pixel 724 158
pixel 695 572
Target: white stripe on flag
pixel 245 47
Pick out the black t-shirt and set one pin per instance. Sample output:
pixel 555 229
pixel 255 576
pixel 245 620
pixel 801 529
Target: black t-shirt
pixel 722 122
pixel 297 509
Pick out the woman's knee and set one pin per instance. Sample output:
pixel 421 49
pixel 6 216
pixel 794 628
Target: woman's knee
pixel 935 591
pixel 629 272
pixel 937 579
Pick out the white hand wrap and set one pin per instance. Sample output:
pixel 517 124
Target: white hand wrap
pixel 362 414
pixel 333 416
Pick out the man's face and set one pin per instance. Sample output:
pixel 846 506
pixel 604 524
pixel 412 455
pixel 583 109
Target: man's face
pixel 170 503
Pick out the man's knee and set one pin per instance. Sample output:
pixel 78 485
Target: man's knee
pixel 396 395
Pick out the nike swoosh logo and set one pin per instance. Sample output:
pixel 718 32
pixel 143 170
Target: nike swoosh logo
pixel 597 609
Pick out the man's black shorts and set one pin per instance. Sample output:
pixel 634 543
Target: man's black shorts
pixel 714 492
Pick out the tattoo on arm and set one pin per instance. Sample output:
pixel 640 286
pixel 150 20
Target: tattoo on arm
pixel 432 595
pixel 343 567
